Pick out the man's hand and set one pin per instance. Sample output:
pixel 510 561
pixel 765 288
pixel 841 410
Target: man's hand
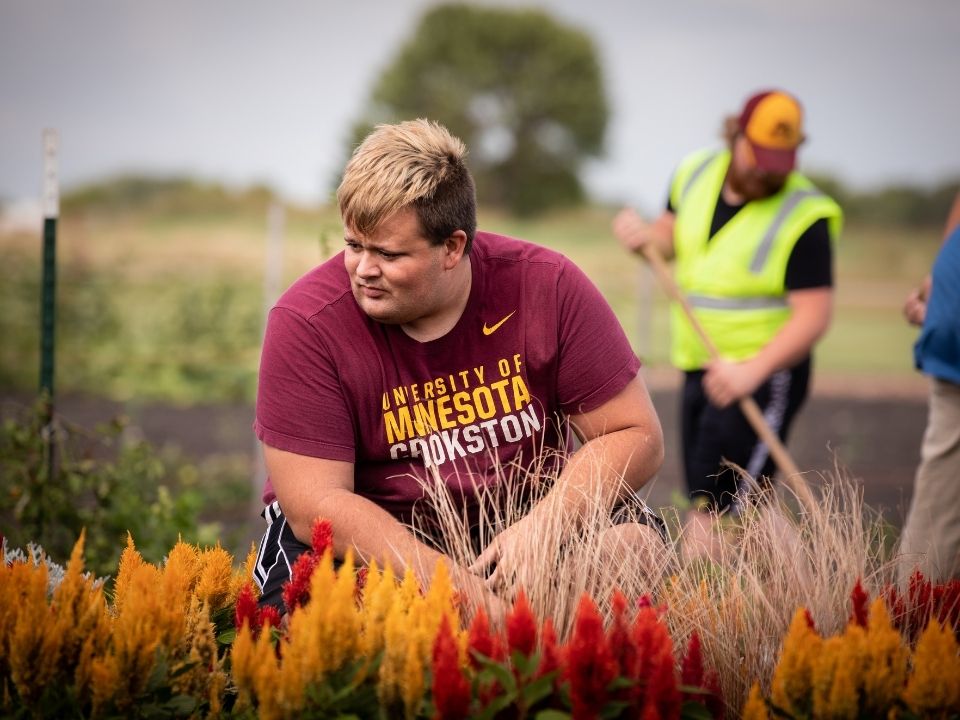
pixel 727 382
pixel 915 306
pixel 508 551
pixel 631 230
pixel 476 593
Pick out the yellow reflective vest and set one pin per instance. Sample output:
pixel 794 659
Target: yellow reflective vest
pixel 735 282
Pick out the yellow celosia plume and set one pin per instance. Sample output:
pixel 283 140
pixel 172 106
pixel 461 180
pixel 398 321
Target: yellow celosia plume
pixel 934 687
pixel 793 677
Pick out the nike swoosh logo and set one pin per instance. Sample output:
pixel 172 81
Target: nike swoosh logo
pixel 493 329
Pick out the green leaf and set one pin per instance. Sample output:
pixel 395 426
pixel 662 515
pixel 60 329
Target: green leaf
pixel 537 690
pixel 552 715
pixel 620 683
pixel 692 710
pixel 526 665
pixel 613 709
pixel 496 671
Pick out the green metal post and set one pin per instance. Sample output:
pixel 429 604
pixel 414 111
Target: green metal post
pixel 51 211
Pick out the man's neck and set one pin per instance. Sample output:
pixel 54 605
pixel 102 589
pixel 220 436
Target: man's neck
pixel 731 196
pixel 444 319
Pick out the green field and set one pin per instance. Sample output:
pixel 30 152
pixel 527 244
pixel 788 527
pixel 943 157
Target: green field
pixel 166 301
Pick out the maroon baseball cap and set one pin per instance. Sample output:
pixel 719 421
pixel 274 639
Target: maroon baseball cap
pixel 772 122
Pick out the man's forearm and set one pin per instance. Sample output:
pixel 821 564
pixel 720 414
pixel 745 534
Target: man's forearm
pixel 370 531
pixel 602 469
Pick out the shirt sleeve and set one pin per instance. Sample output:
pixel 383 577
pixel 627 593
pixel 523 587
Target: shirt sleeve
pixel 811 261
pixel 300 402
pixel 596 360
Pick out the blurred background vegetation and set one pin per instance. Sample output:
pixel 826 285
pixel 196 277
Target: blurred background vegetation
pixel 161 288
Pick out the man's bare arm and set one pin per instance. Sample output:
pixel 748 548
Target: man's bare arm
pixel 309 487
pixel 622 448
pixel 810 314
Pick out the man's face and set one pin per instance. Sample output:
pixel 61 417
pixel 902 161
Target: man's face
pixel 746 178
pixel 396 274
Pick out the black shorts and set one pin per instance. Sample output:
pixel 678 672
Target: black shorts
pixel 279 548
pixel 711 435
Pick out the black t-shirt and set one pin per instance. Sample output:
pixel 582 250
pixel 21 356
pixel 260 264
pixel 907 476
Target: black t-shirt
pixel 811 261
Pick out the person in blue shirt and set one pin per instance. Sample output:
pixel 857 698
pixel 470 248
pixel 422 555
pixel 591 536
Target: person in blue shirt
pixel 931 534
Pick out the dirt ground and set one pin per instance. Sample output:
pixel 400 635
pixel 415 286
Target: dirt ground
pixel 870 428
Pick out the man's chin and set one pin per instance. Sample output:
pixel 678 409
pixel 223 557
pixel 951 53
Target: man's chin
pixel 377 311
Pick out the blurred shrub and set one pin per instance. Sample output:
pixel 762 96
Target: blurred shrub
pixel 173 338
pixel 164 195
pixel 898 205
pixel 99 482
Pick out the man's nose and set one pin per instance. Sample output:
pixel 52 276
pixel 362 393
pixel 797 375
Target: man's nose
pixel 368 266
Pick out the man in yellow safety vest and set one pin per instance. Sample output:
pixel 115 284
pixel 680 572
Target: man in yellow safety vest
pixel 752 240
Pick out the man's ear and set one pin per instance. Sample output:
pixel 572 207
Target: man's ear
pixel 454 247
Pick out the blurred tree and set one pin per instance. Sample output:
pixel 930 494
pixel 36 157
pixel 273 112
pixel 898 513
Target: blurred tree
pixel 523 91
pixel 900 204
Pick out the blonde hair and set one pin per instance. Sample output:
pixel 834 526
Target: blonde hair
pixel 418 164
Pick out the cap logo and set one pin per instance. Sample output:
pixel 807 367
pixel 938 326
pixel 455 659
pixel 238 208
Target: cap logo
pixel 775 122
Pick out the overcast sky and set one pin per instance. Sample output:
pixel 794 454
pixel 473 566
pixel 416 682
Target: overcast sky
pixel 265 91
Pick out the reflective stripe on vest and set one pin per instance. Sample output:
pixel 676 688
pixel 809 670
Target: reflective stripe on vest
pixel 695 174
pixel 742 303
pixel 789 203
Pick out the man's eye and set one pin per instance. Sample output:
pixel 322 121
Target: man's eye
pixel 388 255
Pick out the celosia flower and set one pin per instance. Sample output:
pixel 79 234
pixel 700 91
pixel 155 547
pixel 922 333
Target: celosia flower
pixel 756 707
pixel 655 671
pixel 947 601
pixel 621 644
pixel 549 652
pixel 859 600
pixel 412 683
pixel 793 676
pixel 296 591
pixel 694 675
pixel 130 560
pixel 590 666
pixel 181 570
pixel 321 536
pixel 480 640
pixel 216 574
pixel 654 687
pixel 451 691
pixel 377 599
pixel 269 617
pixel 886 660
pixel 342 618
pixel 934 687
pixel 521 627
pixel 837 675
pixel 246 611
pixel 691 673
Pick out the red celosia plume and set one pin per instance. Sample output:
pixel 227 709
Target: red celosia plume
pixel 521 627
pixel 861 605
pixel 590 666
pixel 451 691
pixel 321 538
pixel 296 591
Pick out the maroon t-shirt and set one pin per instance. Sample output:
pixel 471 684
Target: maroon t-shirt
pixel 536 341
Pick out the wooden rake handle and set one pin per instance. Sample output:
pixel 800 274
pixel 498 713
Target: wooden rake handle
pixel 748 405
